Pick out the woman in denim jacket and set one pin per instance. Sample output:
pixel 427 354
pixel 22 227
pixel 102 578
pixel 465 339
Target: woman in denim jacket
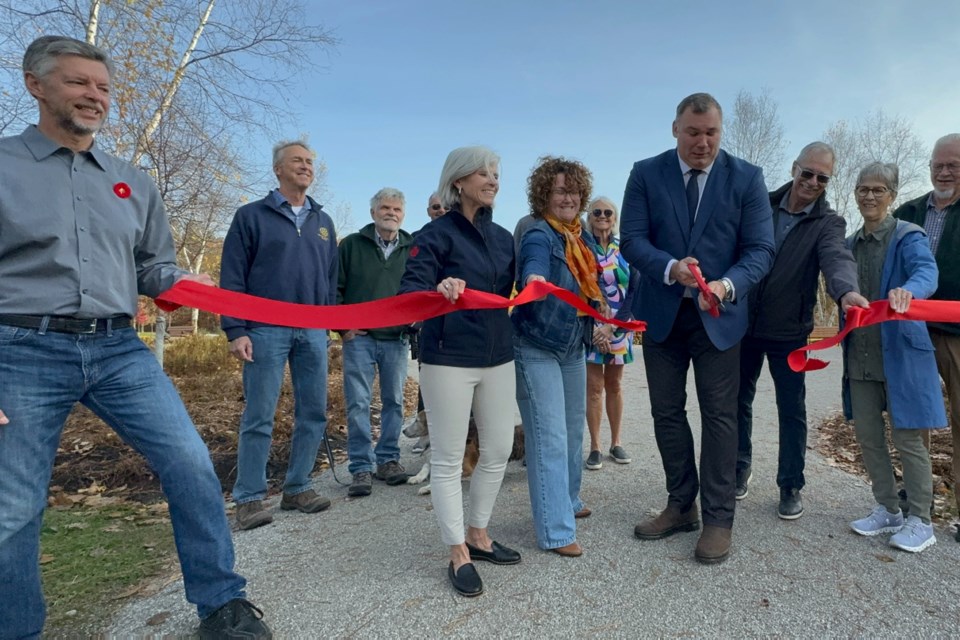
pixel 549 349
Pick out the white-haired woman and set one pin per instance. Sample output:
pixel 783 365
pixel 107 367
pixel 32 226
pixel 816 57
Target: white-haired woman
pixel 467 358
pixel 891 367
pixel 612 347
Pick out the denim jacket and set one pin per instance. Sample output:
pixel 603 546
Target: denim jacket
pixel 550 324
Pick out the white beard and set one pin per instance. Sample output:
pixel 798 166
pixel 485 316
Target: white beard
pixel 944 195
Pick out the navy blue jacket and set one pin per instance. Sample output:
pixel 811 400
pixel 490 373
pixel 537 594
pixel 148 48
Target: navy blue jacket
pixel 549 324
pixel 481 254
pixel 265 255
pixel 732 236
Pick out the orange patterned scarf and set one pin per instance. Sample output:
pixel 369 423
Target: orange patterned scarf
pixel 580 259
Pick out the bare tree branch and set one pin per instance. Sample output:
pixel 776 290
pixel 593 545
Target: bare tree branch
pixel 754 132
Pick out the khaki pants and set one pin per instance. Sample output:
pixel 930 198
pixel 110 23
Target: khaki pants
pixel 948 363
pixel 868 400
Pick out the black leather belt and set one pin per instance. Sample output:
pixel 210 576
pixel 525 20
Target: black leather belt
pixel 66 324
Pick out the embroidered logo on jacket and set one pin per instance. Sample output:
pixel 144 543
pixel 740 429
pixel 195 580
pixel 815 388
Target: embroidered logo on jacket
pixel 324 233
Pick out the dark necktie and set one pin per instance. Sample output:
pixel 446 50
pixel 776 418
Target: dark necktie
pixel 693 194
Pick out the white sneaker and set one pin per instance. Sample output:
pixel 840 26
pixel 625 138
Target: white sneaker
pixel 879 521
pixel 915 536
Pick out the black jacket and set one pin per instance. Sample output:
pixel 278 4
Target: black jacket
pixel 480 254
pixel 781 305
pixel 948 257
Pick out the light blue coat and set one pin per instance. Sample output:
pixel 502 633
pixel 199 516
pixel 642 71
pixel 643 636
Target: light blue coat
pixel 914 398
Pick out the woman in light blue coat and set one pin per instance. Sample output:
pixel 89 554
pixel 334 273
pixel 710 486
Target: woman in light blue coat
pixel 891 366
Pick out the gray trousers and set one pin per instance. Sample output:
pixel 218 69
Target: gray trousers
pixel 868 400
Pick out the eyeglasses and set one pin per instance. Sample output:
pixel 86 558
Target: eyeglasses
pixel 878 192
pixel 806 174
pixel 437 207
pixel 952 167
pixel 562 193
pixel 606 213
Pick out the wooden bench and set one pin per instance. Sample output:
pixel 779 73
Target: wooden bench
pixel 819 333
pixel 180 331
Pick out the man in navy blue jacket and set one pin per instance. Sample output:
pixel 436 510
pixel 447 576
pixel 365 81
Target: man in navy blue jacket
pixel 282 247
pixel 695 205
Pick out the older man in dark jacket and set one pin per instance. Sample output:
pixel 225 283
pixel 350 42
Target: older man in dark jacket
pixel 938 212
pixel 809 239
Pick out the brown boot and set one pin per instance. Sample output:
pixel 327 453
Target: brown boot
pixel 306 502
pixel 670 521
pixel 572 550
pixel 251 515
pixel 714 544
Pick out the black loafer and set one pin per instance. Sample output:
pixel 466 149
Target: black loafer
pixel 465 580
pixel 498 554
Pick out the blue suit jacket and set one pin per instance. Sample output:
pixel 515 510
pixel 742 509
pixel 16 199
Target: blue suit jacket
pixel 732 237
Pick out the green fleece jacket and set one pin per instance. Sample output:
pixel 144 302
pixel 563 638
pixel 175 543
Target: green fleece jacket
pixel 365 275
pixel 948 251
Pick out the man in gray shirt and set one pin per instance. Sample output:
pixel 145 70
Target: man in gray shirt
pixel 81 234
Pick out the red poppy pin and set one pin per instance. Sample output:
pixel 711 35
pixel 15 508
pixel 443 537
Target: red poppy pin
pixel 414 251
pixel 122 189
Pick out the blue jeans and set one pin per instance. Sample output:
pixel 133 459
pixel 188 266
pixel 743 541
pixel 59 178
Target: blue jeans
pixel 306 349
pixel 42 376
pixel 362 357
pixel 552 394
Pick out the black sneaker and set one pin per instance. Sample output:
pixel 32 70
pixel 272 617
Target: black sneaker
pixel 236 619
pixel 361 486
pixel 620 455
pixel 743 482
pixel 392 473
pixel 593 460
pixel 791 506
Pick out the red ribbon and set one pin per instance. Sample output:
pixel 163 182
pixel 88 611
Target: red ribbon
pixel 387 312
pixel 714 309
pixel 879 311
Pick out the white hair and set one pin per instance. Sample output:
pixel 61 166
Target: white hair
pixel 461 162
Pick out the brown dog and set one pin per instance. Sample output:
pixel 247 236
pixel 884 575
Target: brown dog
pixel 418 428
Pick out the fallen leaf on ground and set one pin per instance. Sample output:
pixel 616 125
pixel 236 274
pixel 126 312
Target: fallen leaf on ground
pixel 126 593
pixel 46 558
pixel 882 557
pixel 158 618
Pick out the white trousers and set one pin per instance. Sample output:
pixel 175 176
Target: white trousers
pixel 449 393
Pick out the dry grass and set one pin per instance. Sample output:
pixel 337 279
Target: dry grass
pixel 209 381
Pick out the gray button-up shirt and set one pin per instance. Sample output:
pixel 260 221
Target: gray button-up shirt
pixel 81 234
pixel 784 220
pixel 864 347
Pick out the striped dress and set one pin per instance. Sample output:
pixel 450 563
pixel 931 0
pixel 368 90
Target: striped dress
pixel 614 280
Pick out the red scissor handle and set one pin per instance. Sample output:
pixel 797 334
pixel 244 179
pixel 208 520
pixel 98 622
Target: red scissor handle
pixel 714 309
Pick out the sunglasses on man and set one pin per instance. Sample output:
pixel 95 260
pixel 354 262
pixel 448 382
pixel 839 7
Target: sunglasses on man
pixel 806 174
pixel 606 213
pixel 437 207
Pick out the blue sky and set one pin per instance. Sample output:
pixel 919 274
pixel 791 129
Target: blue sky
pixel 599 81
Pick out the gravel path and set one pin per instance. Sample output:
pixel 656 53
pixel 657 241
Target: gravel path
pixel 375 567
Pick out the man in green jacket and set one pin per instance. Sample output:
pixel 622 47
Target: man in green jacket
pixel 372 262
pixel 938 212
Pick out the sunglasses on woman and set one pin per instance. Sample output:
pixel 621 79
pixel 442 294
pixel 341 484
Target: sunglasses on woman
pixel 606 213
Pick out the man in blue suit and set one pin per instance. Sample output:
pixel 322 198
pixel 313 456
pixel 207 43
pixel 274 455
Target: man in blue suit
pixel 696 205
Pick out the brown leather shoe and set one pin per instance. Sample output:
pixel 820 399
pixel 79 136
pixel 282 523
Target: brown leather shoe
pixel 583 513
pixel 670 521
pixel 714 544
pixel 251 515
pixel 572 550
pixel 305 502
